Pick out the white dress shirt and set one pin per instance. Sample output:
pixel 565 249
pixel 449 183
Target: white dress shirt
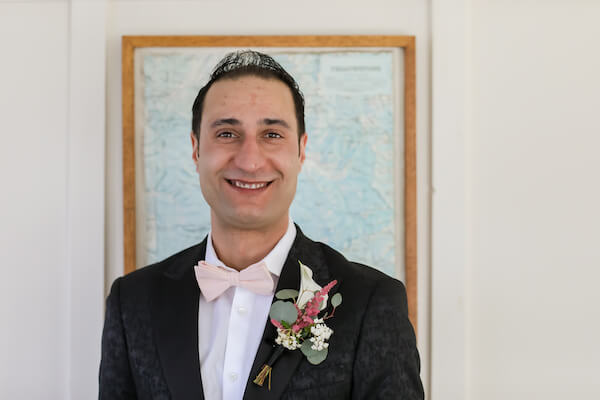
pixel 231 326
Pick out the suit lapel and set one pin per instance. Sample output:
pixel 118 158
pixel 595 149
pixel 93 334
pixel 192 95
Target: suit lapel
pixel 175 316
pixel 308 252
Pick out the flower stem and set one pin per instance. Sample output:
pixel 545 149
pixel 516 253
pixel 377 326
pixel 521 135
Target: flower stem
pixel 329 316
pixel 268 368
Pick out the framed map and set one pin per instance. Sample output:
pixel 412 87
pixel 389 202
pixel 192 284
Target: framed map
pixel 357 188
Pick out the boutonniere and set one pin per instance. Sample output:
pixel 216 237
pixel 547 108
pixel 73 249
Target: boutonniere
pixel 296 316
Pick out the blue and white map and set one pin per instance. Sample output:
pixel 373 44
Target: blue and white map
pixel 350 188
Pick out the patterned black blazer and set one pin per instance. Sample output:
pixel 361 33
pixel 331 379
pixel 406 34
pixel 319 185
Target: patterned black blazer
pixel 150 338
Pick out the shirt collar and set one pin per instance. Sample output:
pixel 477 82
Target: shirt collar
pixel 274 260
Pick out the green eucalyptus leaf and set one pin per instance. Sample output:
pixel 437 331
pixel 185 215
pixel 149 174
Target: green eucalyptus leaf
pixel 336 300
pixel 313 356
pixel 306 348
pixel 286 294
pixel 318 357
pixel 283 311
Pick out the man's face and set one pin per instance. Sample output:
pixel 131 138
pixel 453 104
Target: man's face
pixel 248 156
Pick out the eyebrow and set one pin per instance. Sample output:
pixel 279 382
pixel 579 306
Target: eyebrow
pixel 234 121
pixel 273 121
pixel 225 121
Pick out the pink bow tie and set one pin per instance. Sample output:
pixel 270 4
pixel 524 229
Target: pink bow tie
pixel 213 281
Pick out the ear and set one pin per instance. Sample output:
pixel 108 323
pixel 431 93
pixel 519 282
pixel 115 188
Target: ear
pixel 302 152
pixel 194 148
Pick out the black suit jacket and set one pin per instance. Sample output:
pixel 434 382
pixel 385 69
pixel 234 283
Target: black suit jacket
pixel 150 338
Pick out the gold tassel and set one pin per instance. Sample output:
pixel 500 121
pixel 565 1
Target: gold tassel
pixel 264 372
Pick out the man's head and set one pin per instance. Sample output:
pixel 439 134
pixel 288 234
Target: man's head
pixel 249 63
pixel 247 144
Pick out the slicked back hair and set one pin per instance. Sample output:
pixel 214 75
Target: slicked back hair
pixel 249 63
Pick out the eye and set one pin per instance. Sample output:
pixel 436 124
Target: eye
pixel 273 135
pixel 225 134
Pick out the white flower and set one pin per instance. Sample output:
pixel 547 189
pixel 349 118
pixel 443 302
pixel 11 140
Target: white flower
pixel 289 341
pixel 308 287
pixel 321 333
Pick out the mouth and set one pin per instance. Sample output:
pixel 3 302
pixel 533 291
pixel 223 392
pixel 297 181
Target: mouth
pixel 244 185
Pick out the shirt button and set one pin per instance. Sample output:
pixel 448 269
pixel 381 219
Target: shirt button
pixel 233 376
pixel 242 310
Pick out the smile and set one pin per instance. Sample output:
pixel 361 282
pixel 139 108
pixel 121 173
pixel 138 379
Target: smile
pixel 248 185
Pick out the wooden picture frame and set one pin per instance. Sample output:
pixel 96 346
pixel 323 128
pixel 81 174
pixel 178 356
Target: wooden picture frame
pixel 405 43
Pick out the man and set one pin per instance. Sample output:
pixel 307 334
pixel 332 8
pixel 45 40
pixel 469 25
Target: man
pixel 168 336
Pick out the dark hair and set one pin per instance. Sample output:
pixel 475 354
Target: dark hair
pixel 249 62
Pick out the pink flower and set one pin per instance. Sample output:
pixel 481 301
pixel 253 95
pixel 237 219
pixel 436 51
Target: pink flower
pixel 328 287
pixel 277 323
pixel 303 323
pixel 314 305
pixel 311 309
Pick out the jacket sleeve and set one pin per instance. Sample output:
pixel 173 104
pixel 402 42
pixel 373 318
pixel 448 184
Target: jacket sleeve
pixel 387 362
pixel 115 377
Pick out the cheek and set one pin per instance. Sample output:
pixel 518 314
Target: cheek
pixel 205 169
pixel 290 169
pixel 210 160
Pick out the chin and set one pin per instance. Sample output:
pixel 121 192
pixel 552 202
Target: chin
pixel 253 221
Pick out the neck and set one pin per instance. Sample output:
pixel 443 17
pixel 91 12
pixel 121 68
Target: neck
pixel 240 248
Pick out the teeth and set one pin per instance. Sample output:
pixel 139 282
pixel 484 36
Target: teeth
pixel 248 185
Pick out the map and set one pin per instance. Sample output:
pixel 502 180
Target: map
pixel 350 188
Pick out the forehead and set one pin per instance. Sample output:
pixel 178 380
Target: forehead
pixel 249 95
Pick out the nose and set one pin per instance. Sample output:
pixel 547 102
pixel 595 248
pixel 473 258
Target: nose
pixel 249 156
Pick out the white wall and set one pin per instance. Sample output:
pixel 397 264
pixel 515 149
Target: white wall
pixel 526 192
pixel 52 214
pixel 534 196
pixel 33 157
